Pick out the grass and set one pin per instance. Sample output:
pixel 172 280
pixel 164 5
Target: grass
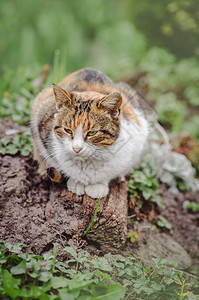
pixel 95 213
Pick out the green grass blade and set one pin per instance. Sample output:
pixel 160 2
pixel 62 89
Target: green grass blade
pixel 89 227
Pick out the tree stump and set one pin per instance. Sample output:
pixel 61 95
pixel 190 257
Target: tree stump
pixel 75 213
pixel 37 212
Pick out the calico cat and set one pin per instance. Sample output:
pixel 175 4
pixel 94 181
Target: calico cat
pixel 89 129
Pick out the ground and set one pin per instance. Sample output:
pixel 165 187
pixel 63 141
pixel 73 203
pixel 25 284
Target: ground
pixel 25 215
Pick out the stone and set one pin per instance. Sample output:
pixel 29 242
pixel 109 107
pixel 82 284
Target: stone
pixel 151 244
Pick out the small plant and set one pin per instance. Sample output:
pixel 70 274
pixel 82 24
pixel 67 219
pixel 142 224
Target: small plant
pixel 163 222
pixel 28 276
pixel 132 236
pixel 184 287
pixel 17 107
pixel 20 143
pixel 181 185
pixel 192 206
pixel 148 186
pixel 17 90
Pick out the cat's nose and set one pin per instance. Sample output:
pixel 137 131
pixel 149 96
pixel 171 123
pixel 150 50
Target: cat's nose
pixel 77 149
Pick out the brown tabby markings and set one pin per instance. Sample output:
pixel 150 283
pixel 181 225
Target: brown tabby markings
pixel 89 80
pixel 86 112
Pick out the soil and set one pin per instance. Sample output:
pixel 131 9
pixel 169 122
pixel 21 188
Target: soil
pixel 25 206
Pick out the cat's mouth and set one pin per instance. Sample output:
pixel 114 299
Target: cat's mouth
pixel 82 156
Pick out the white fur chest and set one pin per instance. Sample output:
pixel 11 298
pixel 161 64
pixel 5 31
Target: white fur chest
pixel 85 171
pixel 95 164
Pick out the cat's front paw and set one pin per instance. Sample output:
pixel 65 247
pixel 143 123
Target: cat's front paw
pixel 97 190
pixel 75 187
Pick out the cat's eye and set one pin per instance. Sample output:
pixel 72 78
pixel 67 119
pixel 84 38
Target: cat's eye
pixel 91 133
pixel 67 130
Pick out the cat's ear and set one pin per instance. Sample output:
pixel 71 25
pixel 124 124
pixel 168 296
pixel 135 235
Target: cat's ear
pixel 111 102
pixel 62 97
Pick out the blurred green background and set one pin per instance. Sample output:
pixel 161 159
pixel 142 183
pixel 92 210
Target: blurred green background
pixel 112 35
pixel 153 45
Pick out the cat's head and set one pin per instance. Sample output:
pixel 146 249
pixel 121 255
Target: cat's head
pixel 86 120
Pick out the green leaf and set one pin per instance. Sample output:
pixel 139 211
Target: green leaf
pixel 45 276
pixel 79 284
pixel 157 199
pixel 147 193
pixel 71 251
pixel 10 284
pixel 11 149
pixel 19 269
pixel 190 205
pixel 35 292
pixel 139 176
pixel 113 291
pixel 103 264
pixel 182 186
pixel 4 141
pixel 64 268
pixel 15 248
pixel 159 262
pixel 48 256
pixel 133 239
pixel 17 140
pixel 34 268
pixel 162 222
pixel 26 150
pixel 65 294
pixel 156 286
pixel 59 282
pixel 3 151
pixel 103 276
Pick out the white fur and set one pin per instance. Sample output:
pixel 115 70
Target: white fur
pixel 91 170
pixel 78 140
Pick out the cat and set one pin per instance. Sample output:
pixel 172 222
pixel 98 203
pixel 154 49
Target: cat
pixel 88 129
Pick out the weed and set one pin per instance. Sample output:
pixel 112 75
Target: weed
pixel 146 185
pixel 20 143
pixel 43 277
pixel 183 293
pixel 28 276
pixel 17 92
pixel 163 222
pixel 191 206
pixel 132 236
